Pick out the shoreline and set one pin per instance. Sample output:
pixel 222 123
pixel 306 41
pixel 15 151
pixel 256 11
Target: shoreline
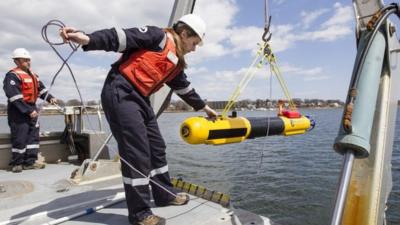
pixel 182 111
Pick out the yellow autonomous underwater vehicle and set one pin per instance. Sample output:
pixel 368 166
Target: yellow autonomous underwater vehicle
pixel 226 130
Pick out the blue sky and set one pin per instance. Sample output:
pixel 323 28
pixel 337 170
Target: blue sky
pixel 314 43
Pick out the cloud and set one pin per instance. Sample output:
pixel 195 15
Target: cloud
pixel 245 42
pixel 89 80
pixel 317 78
pixel 298 70
pixel 219 28
pixel 330 33
pixel 310 17
pixel 307 74
pixel 305 93
pixel 21 23
pixel 284 37
pixel 337 26
pixel 220 84
pixel 196 70
pixel 23 20
pixel 343 15
pixel 279 2
pixel 226 38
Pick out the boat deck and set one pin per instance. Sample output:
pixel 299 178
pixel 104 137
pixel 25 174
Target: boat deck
pixel 47 197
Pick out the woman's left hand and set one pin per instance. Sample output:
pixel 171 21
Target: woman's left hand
pixel 210 112
pixel 53 101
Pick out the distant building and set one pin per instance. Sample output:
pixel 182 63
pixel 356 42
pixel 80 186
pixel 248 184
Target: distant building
pixel 217 104
pixel 334 104
pixel 258 104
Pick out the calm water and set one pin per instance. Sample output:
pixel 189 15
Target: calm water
pixel 291 180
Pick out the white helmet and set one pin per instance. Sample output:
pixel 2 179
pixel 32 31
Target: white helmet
pixel 21 53
pixel 196 23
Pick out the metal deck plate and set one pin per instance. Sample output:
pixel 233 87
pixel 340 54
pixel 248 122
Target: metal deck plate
pixel 45 203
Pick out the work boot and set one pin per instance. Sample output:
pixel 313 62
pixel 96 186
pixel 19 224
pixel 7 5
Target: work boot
pixel 180 199
pixel 34 166
pixel 152 220
pixel 16 169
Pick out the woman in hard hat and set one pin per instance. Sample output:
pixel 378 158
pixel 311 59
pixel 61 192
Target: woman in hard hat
pixel 22 88
pixel 151 57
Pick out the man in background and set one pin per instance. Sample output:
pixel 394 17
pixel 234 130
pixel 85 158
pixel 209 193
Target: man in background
pixel 22 88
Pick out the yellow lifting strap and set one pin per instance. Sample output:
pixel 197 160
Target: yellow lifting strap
pixel 245 80
pixel 275 70
pixel 263 53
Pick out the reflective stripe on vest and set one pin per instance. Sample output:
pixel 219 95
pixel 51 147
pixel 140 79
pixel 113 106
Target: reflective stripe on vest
pixel 29 85
pixel 149 70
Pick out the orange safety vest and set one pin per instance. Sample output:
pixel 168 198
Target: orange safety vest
pixel 29 85
pixel 149 70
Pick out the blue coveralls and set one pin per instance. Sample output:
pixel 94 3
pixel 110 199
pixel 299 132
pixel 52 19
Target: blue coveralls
pixel 24 129
pixel 132 119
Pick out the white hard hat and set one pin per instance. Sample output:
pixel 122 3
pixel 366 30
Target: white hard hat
pixel 196 23
pixel 21 53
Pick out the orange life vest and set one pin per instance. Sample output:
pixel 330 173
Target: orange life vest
pixel 29 85
pixel 149 70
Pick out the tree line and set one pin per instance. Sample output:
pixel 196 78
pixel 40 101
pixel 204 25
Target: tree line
pixel 248 104
pixel 179 105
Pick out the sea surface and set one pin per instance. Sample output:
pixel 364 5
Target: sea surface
pixel 291 180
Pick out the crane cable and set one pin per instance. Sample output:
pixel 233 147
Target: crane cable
pixel 275 70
